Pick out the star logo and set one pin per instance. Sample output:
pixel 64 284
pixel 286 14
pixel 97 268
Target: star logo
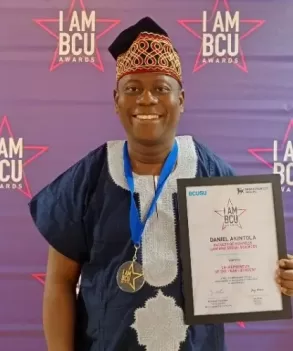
pixel 129 277
pixel 222 31
pixel 279 159
pixel 260 153
pixel 14 158
pixel 231 215
pixel 78 43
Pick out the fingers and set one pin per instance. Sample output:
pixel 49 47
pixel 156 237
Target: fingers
pixel 286 263
pixel 284 279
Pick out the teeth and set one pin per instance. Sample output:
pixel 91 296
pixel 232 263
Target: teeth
pixel 147 116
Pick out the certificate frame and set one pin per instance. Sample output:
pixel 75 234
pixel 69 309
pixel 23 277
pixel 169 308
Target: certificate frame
pixel 184 247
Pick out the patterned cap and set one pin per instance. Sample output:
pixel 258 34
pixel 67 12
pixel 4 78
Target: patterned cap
pixel 145 47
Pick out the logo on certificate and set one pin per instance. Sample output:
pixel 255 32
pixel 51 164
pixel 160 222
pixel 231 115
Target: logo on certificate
pixel 197 193
pixel 231 215
pixel 251 190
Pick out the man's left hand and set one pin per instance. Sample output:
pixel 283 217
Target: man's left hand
pixel 285 276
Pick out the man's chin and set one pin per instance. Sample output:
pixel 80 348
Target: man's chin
pixel 148 140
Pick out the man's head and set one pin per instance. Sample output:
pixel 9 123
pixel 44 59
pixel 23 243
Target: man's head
pixel 149 97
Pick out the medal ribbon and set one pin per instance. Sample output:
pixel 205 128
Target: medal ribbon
pixel 136 225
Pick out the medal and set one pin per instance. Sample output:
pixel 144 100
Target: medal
pixel 130 277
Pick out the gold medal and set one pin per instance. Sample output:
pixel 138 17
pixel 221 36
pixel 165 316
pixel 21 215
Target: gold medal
pixel 130 277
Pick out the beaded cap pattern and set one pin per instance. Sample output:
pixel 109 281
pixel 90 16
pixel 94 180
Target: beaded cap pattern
pixel 150 52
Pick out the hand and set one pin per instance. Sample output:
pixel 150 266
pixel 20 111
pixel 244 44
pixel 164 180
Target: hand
pixel 284 276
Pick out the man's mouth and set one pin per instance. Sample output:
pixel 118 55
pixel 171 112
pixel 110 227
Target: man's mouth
pixel 146 117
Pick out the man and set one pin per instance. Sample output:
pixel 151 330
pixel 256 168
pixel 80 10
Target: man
pixel 90 216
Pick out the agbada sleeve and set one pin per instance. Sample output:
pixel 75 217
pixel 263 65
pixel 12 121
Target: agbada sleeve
pixel 220 168
pixel 57 211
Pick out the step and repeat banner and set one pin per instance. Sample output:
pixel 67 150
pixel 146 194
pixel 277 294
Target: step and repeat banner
pixel 56 104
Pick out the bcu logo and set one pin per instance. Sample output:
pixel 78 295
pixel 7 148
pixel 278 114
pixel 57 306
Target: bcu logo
pixel 197 193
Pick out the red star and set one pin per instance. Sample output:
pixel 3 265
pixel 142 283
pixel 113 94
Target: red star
pixel 39 150
pixel 255 25
pixel 111 23
pixel 257 151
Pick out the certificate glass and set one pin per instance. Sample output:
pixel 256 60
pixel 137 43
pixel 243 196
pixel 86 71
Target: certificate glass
pixel 231 238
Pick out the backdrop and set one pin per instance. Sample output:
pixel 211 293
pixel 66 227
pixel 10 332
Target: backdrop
pixel 56 105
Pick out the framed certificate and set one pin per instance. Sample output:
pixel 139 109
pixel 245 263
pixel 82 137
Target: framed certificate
pixel 232 235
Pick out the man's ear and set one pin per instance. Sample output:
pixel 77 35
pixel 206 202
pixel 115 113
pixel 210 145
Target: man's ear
pixel 115 95
pixel 182 100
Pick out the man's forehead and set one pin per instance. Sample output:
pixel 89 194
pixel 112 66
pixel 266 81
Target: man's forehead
pixel 147 78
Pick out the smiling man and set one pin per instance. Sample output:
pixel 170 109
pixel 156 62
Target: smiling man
pixel 112 217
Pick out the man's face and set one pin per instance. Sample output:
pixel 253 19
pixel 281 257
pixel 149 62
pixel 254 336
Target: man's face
pixel 149 106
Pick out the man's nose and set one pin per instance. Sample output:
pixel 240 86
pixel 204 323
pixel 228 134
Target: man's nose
pixel 147 98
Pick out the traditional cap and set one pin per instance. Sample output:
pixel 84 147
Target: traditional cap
pixel 145 47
